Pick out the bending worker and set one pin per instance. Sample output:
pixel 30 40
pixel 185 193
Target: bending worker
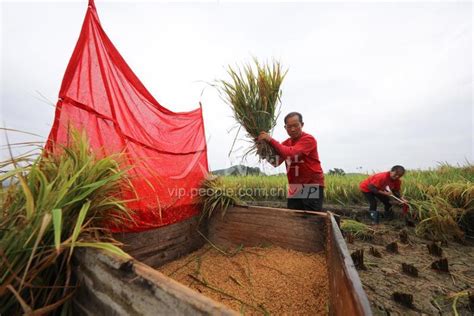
pixel 382 186
pixel 304 172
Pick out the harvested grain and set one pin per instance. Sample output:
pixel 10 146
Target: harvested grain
pixel 257 280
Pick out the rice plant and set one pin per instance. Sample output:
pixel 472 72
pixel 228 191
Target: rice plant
pixel 357 229
pixel 253 93
pixel 54 204
pixel 214 196
pixel 442 198
pixel 442 213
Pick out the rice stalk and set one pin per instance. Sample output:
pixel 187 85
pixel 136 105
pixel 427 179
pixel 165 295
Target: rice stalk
pixel 214 196
pixel 254 93
pixel 441 199
pixel 54 203
pixel 357 229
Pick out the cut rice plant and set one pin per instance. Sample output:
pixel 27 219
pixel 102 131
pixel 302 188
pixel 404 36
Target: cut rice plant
pixel 463 300
pixel 215 197
pixel 439 220
pixel 357 229
pixel 253 92
pixel 446 210
pixel 54 204
pixel 456 297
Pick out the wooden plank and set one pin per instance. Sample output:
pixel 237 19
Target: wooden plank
pixel 347 297
pixel 343 210
pixel 114 286
pixel 158 246
pixel 255 226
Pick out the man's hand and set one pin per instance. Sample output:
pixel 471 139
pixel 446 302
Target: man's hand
pixel 264 136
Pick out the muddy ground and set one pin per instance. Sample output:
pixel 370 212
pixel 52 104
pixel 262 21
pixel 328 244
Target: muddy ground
pixel 432 290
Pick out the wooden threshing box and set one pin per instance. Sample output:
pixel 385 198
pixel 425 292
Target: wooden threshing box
pixel 114 286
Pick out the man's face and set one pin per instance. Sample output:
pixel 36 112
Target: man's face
pixel 395 175
pixel 293 126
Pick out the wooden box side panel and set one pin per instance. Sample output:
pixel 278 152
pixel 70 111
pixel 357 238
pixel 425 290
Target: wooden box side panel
pixel 158 246
pixel 113 286
pixel 347 297
pixel 257 226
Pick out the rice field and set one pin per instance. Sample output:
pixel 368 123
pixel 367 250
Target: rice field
pixel 440 198
pixel 417 185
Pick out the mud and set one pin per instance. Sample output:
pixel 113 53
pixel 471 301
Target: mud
pixel 433 291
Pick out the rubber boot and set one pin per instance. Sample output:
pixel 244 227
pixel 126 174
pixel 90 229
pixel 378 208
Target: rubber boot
pixel 374 215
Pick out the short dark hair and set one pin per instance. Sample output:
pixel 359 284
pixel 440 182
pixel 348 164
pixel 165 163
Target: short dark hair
pixel 300 117
pixel 398 168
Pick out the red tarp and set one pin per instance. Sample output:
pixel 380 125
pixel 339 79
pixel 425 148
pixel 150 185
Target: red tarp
pixel 167 150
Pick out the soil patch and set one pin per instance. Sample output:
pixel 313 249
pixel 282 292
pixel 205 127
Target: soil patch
pixel 390 275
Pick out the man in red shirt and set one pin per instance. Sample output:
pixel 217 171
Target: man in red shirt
pixel 381 186
pixel 304 172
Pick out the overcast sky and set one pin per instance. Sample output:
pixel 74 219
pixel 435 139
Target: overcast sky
pixel 378 83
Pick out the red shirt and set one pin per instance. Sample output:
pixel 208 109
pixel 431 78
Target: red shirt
pixel 301 158
pixel 380 181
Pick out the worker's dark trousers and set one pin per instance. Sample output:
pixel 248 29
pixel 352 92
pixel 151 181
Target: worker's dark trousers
pixel 308 204
pixel 372 199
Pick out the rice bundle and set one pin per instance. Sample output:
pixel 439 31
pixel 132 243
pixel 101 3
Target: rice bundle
pixel 253 93
pixel 357 229
pixel 214 196
pixel 53 205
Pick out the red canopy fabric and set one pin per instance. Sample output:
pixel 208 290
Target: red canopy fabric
pixel 167 150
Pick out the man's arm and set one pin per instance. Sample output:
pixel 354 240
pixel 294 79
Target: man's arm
pixel 397 188
pixel 305 145
pixel 397 191
pixel 264 136
pixel 374 188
